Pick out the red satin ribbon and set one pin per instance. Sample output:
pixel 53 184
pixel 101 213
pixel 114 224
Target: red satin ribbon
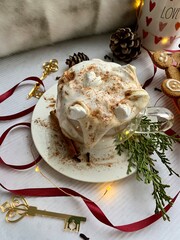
pixel 149 81
pixel 94 209
pixel 18 167
pixel 171 132
pixel 7 94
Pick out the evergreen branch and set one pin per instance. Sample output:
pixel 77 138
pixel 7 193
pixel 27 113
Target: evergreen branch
pixel 139 148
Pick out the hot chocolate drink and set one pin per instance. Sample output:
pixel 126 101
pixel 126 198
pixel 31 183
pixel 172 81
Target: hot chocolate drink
pixel 96 100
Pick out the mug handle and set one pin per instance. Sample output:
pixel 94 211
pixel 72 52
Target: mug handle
pixel 161 116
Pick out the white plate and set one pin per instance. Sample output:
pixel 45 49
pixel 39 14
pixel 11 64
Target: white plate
pixel 50 146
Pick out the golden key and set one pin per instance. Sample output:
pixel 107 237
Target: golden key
pixel 18 208
pixel 48 68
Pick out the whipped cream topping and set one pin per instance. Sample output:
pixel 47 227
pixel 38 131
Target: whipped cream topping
pixel 95 97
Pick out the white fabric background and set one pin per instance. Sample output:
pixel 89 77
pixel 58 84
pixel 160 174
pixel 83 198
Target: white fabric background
pixel 27 24
pixel 128 201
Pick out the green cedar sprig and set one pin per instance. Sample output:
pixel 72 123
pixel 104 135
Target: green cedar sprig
pixel 140 147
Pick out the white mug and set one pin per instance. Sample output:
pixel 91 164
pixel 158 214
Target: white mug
pixel 159 23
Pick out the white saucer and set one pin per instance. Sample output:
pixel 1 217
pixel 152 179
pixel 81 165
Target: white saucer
pixel 48 142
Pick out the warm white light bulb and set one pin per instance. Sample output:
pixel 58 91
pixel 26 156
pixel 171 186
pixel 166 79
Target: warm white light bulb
pixel 165 40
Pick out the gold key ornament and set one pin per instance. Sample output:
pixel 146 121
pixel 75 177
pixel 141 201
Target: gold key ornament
pixel 18 208
pixel 48 68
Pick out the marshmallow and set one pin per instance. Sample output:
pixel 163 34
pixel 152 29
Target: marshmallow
pixel 91 80
pixel 122 111
pixel 76 112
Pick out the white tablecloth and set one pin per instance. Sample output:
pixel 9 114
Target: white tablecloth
pixel 127 201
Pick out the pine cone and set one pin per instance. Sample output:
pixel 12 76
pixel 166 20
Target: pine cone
pixel 125 45
pixel 76 58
